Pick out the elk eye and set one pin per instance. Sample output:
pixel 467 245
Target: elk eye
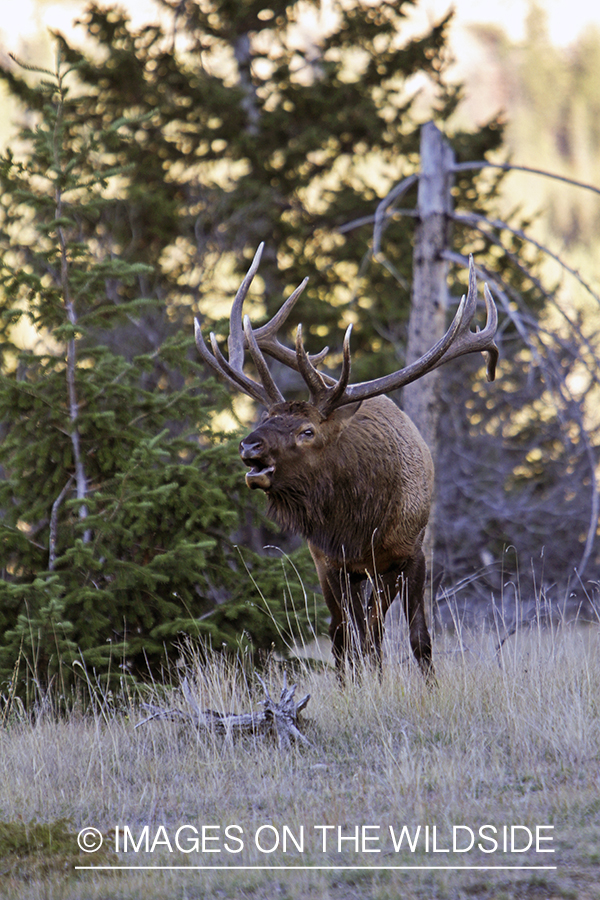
pixel 308 432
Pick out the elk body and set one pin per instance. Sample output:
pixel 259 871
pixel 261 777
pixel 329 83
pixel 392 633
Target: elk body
pixel 347 470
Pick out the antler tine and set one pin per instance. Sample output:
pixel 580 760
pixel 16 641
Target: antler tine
pixel 235 376
pixel 208 357
pixel 337 390
pixel 271 388
pixel 468 341
pixel 415 370
pixel 242 337
pixel 273 325
pixel 491 318
pixel 235 341
pixel 325 391
pixel 314 380
pixel 266 335
pixel 223 369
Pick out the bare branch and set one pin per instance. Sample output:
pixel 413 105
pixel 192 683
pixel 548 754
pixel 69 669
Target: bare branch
pixel 475 219
pixel 54 524
pixel 382 215
pixel 557 384
pixel 510 167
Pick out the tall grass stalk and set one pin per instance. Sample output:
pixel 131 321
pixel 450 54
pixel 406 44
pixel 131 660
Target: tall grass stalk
pixel 509 737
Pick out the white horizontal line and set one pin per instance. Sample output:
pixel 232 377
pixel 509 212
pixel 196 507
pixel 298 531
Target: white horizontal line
pixel 322 868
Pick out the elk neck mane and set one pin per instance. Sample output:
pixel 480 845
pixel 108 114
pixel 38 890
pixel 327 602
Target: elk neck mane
pixel 343 505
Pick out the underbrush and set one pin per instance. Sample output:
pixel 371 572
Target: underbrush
pixel 505 750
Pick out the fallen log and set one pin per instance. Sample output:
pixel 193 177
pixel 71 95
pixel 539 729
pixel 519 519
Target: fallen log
pixel 277 719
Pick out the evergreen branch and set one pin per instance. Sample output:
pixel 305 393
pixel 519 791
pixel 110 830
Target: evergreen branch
pixel 31 68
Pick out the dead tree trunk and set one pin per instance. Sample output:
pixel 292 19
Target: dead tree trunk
pixel 427 321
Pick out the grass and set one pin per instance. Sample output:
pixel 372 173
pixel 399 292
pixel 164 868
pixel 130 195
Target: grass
pixel 508 740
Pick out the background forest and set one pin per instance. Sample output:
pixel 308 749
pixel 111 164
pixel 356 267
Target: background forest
pixel 148 165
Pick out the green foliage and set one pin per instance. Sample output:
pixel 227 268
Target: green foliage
pixel 150 166
pixel 118 499
pixel 34 849
pixel 245 134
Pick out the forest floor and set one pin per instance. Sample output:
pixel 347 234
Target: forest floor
pixel 486 786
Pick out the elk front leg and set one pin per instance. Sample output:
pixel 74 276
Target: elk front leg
pixel 348 627
pixel 344 598
pixel 333 599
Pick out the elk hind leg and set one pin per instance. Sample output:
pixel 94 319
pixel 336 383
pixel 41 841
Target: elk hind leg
pixel 412 587
pixel 382 592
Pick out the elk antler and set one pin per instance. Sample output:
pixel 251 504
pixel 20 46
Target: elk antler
pixel 328 393
pixel 243 337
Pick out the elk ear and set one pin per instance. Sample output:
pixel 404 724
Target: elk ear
pixel 343 413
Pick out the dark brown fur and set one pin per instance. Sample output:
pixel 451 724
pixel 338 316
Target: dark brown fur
pixel 357 485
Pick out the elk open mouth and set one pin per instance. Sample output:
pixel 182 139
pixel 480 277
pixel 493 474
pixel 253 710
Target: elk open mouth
pixel 259 475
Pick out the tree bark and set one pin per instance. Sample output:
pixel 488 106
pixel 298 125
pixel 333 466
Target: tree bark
pixel 80 474
pixel 427 322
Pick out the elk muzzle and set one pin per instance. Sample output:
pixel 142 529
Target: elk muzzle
pixel 262 466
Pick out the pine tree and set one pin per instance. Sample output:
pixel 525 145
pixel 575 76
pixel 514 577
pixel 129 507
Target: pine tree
pixel 118 500
pixel 253 135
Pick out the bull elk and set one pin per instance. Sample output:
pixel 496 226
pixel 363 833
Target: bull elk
pixel 347 469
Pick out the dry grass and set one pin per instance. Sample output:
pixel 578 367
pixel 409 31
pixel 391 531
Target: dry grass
pixel 510 744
